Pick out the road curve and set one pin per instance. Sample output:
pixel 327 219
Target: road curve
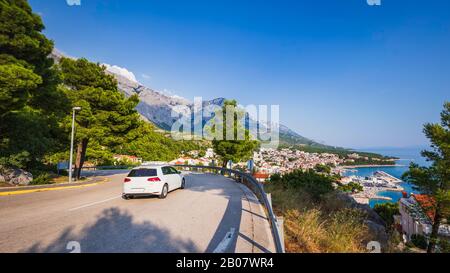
pixel 97 219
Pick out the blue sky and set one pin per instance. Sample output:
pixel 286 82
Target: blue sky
pixel 343 72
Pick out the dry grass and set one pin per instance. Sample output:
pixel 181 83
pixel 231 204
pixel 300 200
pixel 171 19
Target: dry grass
pixel 328 226
pixel 312 232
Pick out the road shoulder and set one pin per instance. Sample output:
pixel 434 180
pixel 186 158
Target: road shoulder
pixel 254 235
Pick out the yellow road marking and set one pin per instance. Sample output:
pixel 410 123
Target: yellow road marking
pixel 50 189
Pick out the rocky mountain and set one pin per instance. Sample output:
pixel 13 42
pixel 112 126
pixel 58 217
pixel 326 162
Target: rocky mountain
pixel 157 107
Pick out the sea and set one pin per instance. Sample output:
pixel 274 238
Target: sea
pixel 406 156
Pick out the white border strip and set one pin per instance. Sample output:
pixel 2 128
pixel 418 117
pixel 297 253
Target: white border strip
pixel 222 247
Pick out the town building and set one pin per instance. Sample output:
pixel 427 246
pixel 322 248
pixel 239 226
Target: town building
pixel 127 158
pixel 416 214
pixel 261 177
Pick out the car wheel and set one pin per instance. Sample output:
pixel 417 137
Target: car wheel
pixel 183 184
pixel 164 192
pixel 125 197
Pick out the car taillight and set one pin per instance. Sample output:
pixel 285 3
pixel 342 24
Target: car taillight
pixel 126 180
pixel 153 179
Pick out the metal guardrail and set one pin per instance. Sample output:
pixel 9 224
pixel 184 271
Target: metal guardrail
pixel 258 189
pixel 106 168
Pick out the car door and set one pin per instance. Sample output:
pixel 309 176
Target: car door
pixel 176 177
pixel 167 174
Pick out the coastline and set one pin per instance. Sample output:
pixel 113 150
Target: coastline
pixel 396 169
pixel 372 166
pixel 376 193
pixel 373 194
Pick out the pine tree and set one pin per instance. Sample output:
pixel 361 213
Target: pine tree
pixel 435 180
pixel 106 116
pixel 31 105
pixel 240 147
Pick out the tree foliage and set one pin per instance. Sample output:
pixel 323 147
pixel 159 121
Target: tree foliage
pixel 146 143
pixel 233 142
pixel 435 180
pixel 106 116
pixel 31 105
pixel 321 168
pixel 351 187
pixel 387 212
pixel 311 182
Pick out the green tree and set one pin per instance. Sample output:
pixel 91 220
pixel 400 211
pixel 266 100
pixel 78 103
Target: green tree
pixel 435 180
pixel 31 105
pixel 233 141
pixel 387 212
pixel 106 116
pixel 311 182
pixel 351 187
pixel 146 143
pixel 322 168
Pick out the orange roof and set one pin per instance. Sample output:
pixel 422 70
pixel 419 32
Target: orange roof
pixel 261 175
pixel 427 203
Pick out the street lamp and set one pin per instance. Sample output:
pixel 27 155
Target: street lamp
pixel 71 141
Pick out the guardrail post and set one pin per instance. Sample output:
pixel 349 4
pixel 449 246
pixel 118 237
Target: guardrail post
pixel 280 225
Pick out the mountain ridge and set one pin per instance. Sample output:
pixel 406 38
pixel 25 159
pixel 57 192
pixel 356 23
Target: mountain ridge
pixel 157 107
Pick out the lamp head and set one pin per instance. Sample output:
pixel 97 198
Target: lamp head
pixel 77 108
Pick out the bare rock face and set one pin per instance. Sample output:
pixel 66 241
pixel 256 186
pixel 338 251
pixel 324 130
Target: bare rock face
pixel 16 177
pixel 157 107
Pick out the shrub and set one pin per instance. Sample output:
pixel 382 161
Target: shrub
pixel 444 245
pixel 309 181
pixel 321 225
pixel 42 179
pixel 322 168
pixel 387 212
pixel 351 187
pixel 419 241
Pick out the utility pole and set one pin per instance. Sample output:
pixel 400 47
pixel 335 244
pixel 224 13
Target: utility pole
pixel 71 142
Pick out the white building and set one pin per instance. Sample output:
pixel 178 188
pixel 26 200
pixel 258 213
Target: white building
pixel 413 219
pixel 416 217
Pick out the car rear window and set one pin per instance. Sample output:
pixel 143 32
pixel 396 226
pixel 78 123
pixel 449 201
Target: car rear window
pixel 142 173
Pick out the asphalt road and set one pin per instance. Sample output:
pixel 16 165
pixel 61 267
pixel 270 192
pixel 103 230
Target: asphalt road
pixel 97 219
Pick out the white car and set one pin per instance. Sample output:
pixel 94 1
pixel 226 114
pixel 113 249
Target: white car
pixel 152 180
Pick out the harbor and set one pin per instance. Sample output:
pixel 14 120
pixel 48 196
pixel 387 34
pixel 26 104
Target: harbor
pixel 373 185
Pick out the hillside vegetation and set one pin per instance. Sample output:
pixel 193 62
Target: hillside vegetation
pixel 316 219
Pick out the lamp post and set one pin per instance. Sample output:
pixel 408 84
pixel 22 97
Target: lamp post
pixel 71 141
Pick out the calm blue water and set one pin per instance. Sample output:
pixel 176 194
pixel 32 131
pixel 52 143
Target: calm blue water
pixel 406 155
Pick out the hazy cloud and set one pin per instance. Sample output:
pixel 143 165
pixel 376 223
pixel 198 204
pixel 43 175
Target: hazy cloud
pixel 121 71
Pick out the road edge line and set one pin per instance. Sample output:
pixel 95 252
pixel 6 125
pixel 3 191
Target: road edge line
pixel 20 192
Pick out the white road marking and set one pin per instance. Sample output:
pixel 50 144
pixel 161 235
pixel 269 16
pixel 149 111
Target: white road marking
pixel 95 203
pixel 222 247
